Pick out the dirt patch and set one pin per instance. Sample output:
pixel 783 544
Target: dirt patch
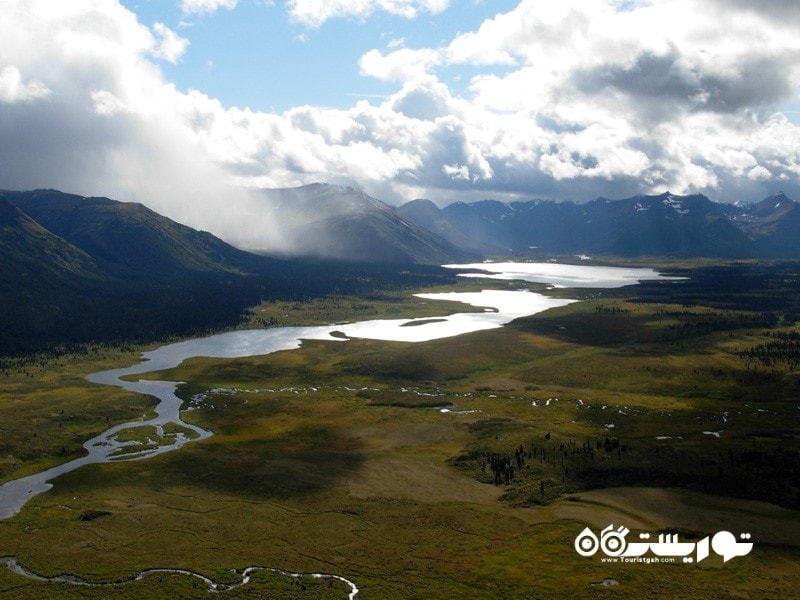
pixel 499 384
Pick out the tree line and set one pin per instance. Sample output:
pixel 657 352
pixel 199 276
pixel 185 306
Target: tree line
pixel 783 349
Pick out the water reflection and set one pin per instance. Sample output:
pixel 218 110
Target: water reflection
pixel 562 275
pixel 500 307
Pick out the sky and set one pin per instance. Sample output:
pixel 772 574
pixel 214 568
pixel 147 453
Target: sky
pixel 182 104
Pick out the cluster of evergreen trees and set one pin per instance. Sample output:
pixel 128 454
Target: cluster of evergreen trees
pixel 784 349
pixel 540 471
pixel 142 308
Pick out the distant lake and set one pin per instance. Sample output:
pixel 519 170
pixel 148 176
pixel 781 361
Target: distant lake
pixel 561 275
pixel 499 307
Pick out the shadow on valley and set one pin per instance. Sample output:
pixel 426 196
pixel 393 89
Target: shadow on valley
pixel 543 469
pixel 691 384
pixel 64 316
pixel 290 465
pixel 299 462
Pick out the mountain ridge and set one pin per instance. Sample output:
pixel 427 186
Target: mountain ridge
pixel 94 269
pixel 29 250
pixel 127 235
pixel 345 223
pixel 643 225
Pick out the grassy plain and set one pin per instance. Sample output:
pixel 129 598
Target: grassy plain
pixel 373 460
pixel 48 409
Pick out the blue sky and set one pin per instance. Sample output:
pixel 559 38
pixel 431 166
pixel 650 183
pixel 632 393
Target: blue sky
pixel 256 56
pixel 184 104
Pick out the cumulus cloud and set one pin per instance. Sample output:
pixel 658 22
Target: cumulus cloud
pixel 631 96
pixel 14 89
pixel 104 122
pixel 568 99
pixel 399 65
pixel 170 45
pixel 313 13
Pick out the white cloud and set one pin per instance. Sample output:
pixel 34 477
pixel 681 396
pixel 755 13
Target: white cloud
pixel 457 172
pixel 425 99
pixel 199 7
pixel 313 13
pixel 110 124
pixel 400 65
pixel 14 89
pixel 641 95
pixel 106 103
pixel 568 100
pixel 170 45
pixel 759 172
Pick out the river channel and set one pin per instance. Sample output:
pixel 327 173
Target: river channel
pixel 499 307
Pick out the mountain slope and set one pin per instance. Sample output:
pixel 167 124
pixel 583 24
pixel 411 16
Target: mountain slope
pixel 774 225
pixel 29 251
pixel 110 271
pixel 43 280
pixel 345 223
pixel 669 225
pixel 128 236
pixel 92 269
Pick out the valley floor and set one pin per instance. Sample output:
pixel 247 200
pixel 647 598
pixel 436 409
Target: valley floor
pixel 464 467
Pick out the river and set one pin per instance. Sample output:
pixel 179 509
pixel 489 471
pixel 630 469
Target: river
pixel 500 307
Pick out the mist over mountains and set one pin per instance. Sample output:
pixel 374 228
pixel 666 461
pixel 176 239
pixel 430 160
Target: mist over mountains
pixel 346 223
pixel 78 268
pixel 55 233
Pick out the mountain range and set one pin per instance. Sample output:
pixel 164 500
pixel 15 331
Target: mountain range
pixel 658 225
pixel 346 223
pixel 77 269
pixel 74 266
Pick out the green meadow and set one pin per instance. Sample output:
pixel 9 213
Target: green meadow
pixel 457 468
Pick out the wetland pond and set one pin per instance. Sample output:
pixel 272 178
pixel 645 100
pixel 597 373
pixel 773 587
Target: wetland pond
pixel 171 432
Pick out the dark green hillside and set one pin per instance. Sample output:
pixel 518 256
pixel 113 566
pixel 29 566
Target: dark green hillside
pixel 40 271
pixel 129 235
pixel 103 270
pixel 78 270
pixel 29 251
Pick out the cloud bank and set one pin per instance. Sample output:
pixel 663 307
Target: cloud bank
pixel 569 99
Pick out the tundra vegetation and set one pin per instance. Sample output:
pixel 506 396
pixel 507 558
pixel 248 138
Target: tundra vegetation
pixel 462 467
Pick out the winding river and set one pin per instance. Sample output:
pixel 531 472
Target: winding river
pixel 500 307
pixel 11 563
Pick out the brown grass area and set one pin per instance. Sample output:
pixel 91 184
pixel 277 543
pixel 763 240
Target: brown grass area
pixel 419 480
